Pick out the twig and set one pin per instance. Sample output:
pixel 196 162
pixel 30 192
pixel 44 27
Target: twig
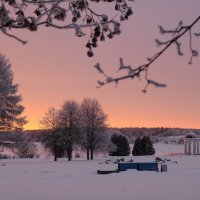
pixel 13 36
pixel 136 72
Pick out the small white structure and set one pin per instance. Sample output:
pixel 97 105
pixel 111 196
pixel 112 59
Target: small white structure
pixel 192 142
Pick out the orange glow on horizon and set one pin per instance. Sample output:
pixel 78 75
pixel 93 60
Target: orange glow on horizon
pixel 119 123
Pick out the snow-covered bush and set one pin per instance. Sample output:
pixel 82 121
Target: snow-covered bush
pixel 143 146
pixel 121 145
pixel 23 146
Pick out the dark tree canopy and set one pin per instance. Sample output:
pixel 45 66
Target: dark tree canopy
pixel 121 145
pixel 137 149
pixel 143 146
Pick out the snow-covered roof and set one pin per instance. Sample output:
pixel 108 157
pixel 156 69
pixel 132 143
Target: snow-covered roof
pixel 191 135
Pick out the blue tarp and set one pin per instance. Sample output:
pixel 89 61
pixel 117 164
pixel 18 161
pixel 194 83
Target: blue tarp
pixel 125 166
pixel 150 166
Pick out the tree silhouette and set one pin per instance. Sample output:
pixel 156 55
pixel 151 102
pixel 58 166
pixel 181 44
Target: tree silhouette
pixel 81 14
pixel 143 146
pixel 10 107
pixel 137 148
pixel 64 14
pixel 93 124
pixel 133 73
pixel 69 124
pixel 121 145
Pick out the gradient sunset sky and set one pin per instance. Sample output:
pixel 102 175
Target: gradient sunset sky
pixel 53 67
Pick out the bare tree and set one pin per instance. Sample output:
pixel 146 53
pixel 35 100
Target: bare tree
pixel 53 139
pixel 75 125
pixel 50 119
pixel 93 123
pixel 69 125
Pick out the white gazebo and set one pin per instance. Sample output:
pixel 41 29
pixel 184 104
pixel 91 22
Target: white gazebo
pixel 192 142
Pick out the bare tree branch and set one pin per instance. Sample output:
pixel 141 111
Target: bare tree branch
pixel 63 14
pixel 13 36
pixel 177 34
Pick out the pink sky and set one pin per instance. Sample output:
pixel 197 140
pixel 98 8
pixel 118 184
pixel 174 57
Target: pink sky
pixel 53 67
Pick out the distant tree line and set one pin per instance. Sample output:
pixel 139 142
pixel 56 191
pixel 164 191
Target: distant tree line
pixel 155 133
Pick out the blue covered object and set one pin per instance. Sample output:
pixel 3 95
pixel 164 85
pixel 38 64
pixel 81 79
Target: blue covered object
pixel 125 166
pixel 149 166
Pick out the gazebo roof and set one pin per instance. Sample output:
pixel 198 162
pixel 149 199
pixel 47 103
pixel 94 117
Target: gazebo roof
pixel 191 135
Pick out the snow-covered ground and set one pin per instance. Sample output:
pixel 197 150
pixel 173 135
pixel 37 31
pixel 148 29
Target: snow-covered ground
pixel 168 149
pixel 44 179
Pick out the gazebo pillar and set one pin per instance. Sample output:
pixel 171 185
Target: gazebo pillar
pixel 186 146
pixel 197 147
pixel 189 147
pixel 194 147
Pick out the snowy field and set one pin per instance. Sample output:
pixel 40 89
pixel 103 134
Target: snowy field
pixel 44 179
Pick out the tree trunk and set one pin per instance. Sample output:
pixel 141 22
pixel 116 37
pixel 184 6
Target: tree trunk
pixel 88 154
pixel 91 154
pixel 69 154
pixel 55 158
pixel 55 153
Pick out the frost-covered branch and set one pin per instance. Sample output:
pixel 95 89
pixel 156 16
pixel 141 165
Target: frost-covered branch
pixel 132 73
pixel 13 36
pixel 64 14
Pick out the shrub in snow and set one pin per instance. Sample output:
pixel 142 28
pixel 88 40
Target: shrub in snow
pixel 137 148
pixel 23 146
pixel 158 159
pixel 143 146
pixel 77 155
pixel 121 145
pixel 3 156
